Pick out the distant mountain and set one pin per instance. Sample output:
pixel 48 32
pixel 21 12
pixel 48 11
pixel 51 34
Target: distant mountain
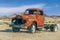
pixel 14 14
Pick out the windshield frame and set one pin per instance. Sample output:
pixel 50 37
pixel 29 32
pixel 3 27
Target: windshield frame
pixel 31 11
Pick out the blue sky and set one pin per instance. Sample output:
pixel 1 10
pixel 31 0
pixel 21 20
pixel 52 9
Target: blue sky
pixel 50 7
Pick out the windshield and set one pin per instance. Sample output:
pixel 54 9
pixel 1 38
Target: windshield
pixel 30 11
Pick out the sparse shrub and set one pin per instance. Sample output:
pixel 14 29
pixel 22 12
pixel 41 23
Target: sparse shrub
pixel 6 23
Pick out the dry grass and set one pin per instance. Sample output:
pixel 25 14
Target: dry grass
pixel 47 20
pixel 52 20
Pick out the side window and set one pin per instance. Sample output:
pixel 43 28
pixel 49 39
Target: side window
pixel 40 12
pixel 26 12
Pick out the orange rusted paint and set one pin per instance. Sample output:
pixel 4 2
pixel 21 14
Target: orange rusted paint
pixel 30 18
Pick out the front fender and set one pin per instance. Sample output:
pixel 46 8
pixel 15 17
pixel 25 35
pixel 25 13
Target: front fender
pixel 28 23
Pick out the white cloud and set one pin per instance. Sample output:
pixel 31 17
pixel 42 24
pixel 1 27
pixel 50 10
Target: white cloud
pixel 57 5
pixel 6 10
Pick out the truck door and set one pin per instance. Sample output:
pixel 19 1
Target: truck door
pixel 40 18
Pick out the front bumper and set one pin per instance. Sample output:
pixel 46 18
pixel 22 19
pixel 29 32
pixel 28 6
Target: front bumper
pixel 18 26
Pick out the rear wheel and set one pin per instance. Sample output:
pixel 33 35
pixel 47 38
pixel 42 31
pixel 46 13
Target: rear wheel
pixel 53 28
pixel 32 28
pixel 15 29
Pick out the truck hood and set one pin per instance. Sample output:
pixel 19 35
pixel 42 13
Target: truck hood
pixel 30 16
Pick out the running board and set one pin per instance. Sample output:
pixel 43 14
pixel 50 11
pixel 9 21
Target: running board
pixel 39 27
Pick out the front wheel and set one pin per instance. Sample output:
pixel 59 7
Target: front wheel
pixel 32 28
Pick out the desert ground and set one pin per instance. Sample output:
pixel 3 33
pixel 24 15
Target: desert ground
pixel 7 34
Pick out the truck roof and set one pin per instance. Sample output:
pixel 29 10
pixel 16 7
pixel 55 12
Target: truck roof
pixel 33 9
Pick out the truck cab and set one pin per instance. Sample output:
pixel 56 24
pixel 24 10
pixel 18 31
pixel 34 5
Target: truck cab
pixel 35 15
